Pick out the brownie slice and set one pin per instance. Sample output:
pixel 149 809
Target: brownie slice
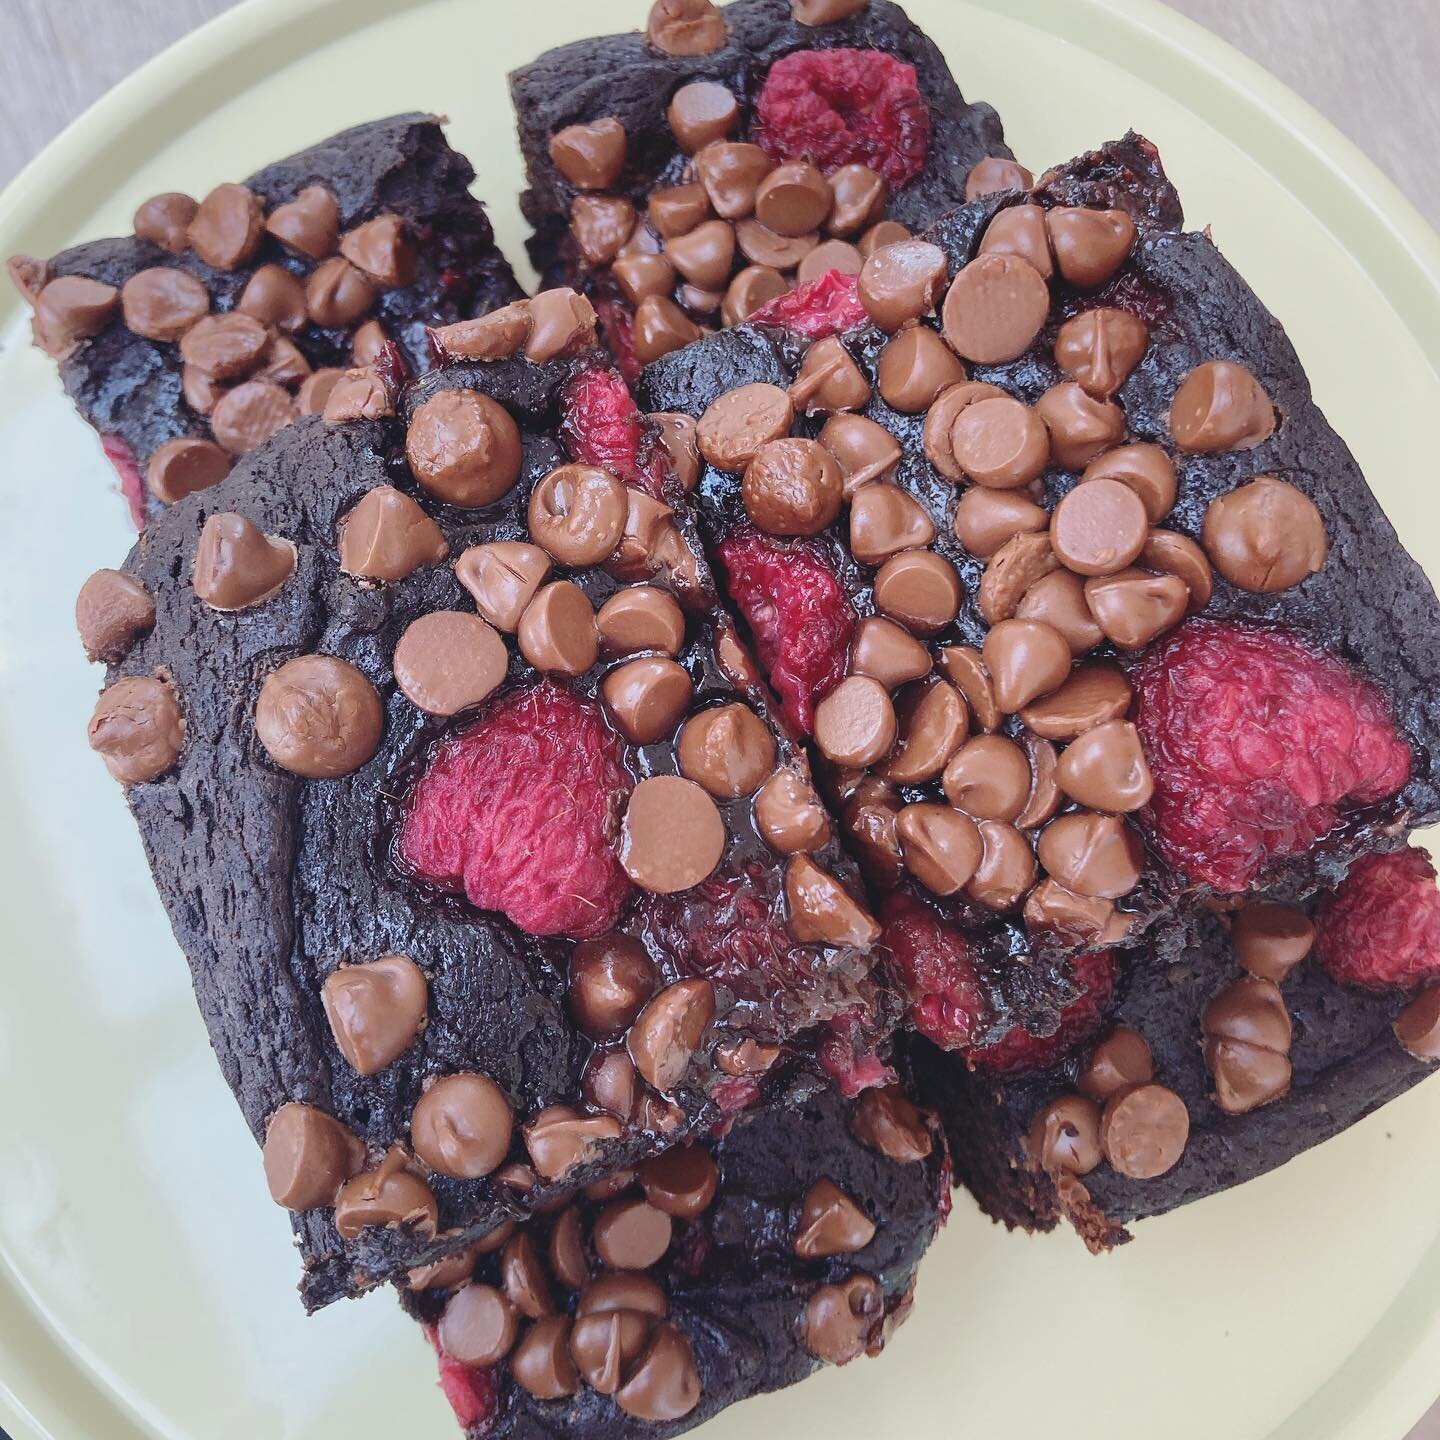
pixel 1090 612
pixel 561 859
pixel 689 174
pixel 1244 1045
pixel 744 1263
pixel 332 255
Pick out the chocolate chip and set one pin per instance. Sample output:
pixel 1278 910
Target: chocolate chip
pixel 228 227
pixel 831 1223
pixel 237 565
pixel 733 428
pixel 1013 569
pixel 754 287
pixel 502 577
pixel 1021 231
pixel 726 749
pixel 883 232
pixel 1146 469
pixel 577 514
pixel 1082 918
pixel 1092 854
pixel 358 394
pixel 309 224
pixel 1099 348
pixel 864 450
pixel 464 448
pixel 647 698
pixel 822 909
pixel 313 393
pixel 1091 695
pixel 449 661
pixel 1090 245
pixel 793 199
pixel 660 327
pixel 825 12
pixel 369 345
pixel 562 323
pixel 1172 553
pixel 640 276
pixel 557 631
pixel 704 255
pixel 994 175
pixel 165 220
pixel 1007 869
pixel 274 296
pixel 1133 607
pixel 569 1261
pixel 827 256
pixel 461 1126
pixel 601 224
pixel 496 336
pixel 319 717
pixel 375 1010
pixel 829 380
pixel 1044 798
pixel 631 1235
pixel 792 487
pixel 989 778
pixel 1220 405
pixel 887 652
pixel 338 294
pixel 184 465
pixel 388 1195
pixel 540 1363
pixel 678 433
pixel 387 536
pixel 885 1121
pixel 1265 536
pixel 986 519
pixel 1270 939
pixel 309 1155
pixel 675 210
pixel 162 303
pixel 225 347
pixel 112 611
pixel 839 1317
pixel 640 617
pixel 250 414
pixel 137 728
pixel 932 720
pixel 590 155
pixel 682 1182
pixel 447 1273
pixel 902 282
pixel 286 365
pixel 524 1279
pixel 701 112
pixel 72 308
pixel 1099 528
pixel 730 172
pixel 1064 1138
pixel 608 1293
pixel 999 442
pixel 920 589
pixel 855 723
pixel 560 1139
pixel 672 837
pixel 1105 769
pixel 1119 1059
pixel 995 309
pixel 941 848
pixel 667 1033
pixel 789 815
pixel 857 197
pixel 665 1384
pixel 1026 659
pixel 610 979
pixel 938 432
pixel 1417 1027
pixel 383 249
pixel 1080 426
pixel 1247 1045
pixel 685 27
pixel 762 246
pixel 478 1326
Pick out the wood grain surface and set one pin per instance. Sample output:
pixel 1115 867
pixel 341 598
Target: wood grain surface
pixel 1371 66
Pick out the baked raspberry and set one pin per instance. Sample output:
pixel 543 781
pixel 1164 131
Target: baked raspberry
pixel 1255 740
pixel 474 1395
pixel 617 329
pixel 798 615
pixel 1381 929
pixel 827 305
pixel 851 1063
pixel 132 486
pixel 842 107
pixel 520 811
pixel 1017 1049
pixel 601 425
pixel 932 966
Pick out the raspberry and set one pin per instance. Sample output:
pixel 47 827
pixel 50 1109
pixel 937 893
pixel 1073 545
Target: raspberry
pixel 852 1064
pixel 520 811
pixel 617 327
pixel 1017 1049
pixel 798 616
pixel 841 107
pixel 932 965
pixel 1255 739
pixel 474 1394
pixel 602 425
pixel 827 305
pixel 132 486
pixel 1381 929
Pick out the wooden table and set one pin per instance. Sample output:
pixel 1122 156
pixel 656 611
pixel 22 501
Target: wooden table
pixel 1371 66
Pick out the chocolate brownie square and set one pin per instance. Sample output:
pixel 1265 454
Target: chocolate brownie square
pixel 215 323
pixel 686 175
pixel 494 868
pixel 1036 528
pixel 733 1267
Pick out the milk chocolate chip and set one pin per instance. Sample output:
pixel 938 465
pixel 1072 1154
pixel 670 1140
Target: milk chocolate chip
pixel 1133 607
pixel 855 723
pixel 941 847
pixel 993 175
pixel 1146 469
pixel 999 442
pixel 682 1182
pixel 250 414
pixel 730 173
pixel 831 1223
pixel 996 308
pixel 902 282
pixel 858 200
pixel 164 220
pixel 665 1384
pixel 461 1126
pixel 478 1326
pixel 727 749
pixel 274 296
pixel 829 381
pixel 789 815
pixel 502 578
pixel 1089 245
pixel 702 111
pixel 792 199
pixel 72 308
pixel 112 611
pixel 1119 1060
pixel 228 227
pixel 864 450
pixel 1080 426
pixel 647 698
pixel 672 836
pixel 496 336
pixel 822 909
pixel 932 720
pixel 989 778
pixel 685 27
pixel 1266 536
pixel 319 717
pixel 678 209
pixel 1099 348
pixel 384 249
pixel 387 536
pixel 1064 1138
pixel 888 653
pixel 1171 553
pixel 524 1279
pixel 914 367
pixel 641 617
pixel 557 631
pixel 1058 600
pixel 540 1363
pixel 678 434
pixel 1097 855
pixel 792 487
pixel 986 519
pixel 667 1033
pixel 309 1155
pixel 610 979
pixel 590 155
pixel 560 1139
pixel 1026 659
pixel 839 1318
pixel 1007 869
pixel 601 224
pixel 631 1234
pixel 641 276
pixel 577 514
pixel 162 303
pixel 733 429
pixel 375 1010
pixel 309 224
pixel 137 729
pixel 1270 940
pixel 562 322
pixel 338 294
pixel 464 448
pixel 1090 696
pixel 1020 231
pixel 827 256
pixel 449 661
pixel 885 1121
pixel 225 347
pixel 920 589
pixel 1105 769
pixel 1143 1131
pixel 238 565
pixel 752 289
pixel 1247 1045
pixel 388 1195
pixel 1220 405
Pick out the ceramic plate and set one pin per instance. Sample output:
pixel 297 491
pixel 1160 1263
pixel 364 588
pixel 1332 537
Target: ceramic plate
pixel 145 1277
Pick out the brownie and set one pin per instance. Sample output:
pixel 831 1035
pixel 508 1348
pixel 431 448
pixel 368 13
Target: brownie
pixel 876 110
pixel 440 264
pixel 1344 1061
pixel 319 790
pixel 768 1227
pixel 1300 573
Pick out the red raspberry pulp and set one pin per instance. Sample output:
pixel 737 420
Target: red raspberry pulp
pixel 797 613
pixel 617 327
pixel 1381 929
pixel 931 964
pixel 132 486
pixel 842 107
pixel 1255 740
pixel 828 305
pixel 520 811
pixel 601 425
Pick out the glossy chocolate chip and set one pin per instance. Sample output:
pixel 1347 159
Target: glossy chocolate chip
pixel 831 1223
pixel 112 611
pixel 557 631
pixel 914 367
pixel 1146 469
pixel 338 294
pixel 184 465
pixel 825 12
pixel 762 246
pixel 701 112
pixel 562 323
pixel 462 1126
pixel 225 347
pixel 829 380
pixel 857 200
pixel 1271 939
pixel 383 249
pixel 884 1120
pixel 464 448
pixel 1105 769
pixel 789 815
pixel 822 909
pixel 993 175
pixel 827 256
pixel 449 661
pixel 902 282
pixel 590 155
pixel 988 778
pixel 375 1010
pixel 607 1344
pixel 864 450
pixel 319 717
pixel 887 652
pixel 754 287
pixel 1020 230
pixel 524 1278
pixel 792 487
pixel 1099 348
pixel 855 723
pixel 793 199
pixel 884 520
pixel 478 1326
pixel 72 308
pixel 672 836
pixel 560 1139
pixel 1089 245
pixel 1092 854
pixel 577 514
pixel 678 434
pixel 541 1363
pixel 665 1036
pixel 502 578
pixel 932 720
pixel 1000 442
pixel 677 209
pixel 309 224
pixel 227 227
pixel 1247 1034
pixel 237 565
pixel 165 219
pixel 137 729
pixel 1080 426
pixel 1220 405
pixel 665 1384
pixel 730 173
pixel 641 617
pixel 387 536
pixel 682 1182
pixel 1119 1059
pixel 1025 659
pixel 727 749
pixel 389 1195
pixel 162 303
pixel 941 847
pixel 1090 696
pixel 1266 536
pixel 685 27
pixel 610 979
pixel 642 275
pixel 733 428
pixel 601 224
pixel 1007 869
pixel 995 309
pixel 308 1155
pixel 987 519
pixel 250 414
pixel 920 589
pixel 647 698
pixel 1133 607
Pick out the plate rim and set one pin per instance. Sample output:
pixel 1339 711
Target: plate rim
pixel 1387 1382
